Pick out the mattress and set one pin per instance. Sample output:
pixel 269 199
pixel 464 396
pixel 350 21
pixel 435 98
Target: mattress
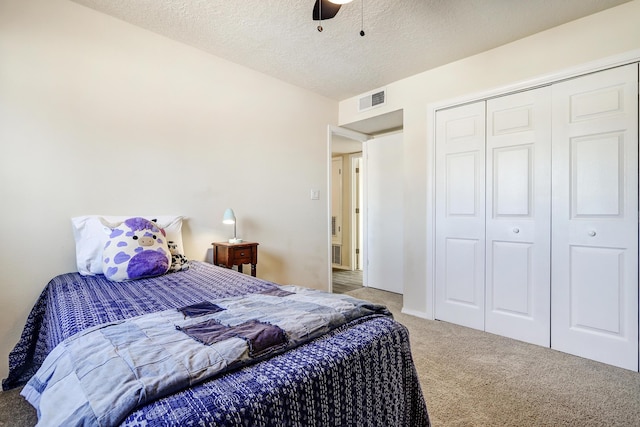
pixel 360 373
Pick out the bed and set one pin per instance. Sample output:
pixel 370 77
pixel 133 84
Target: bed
pixel 359 373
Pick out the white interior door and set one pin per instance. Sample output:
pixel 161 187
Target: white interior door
pixel 518 227
pixel 460 215
pixel 384 213
pixel 595 217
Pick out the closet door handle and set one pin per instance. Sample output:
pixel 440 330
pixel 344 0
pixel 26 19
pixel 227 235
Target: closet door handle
pixel 592 233
pixel 516 230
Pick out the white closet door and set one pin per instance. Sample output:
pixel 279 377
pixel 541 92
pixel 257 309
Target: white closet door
pixel 460 217
pixel 518 214
pixel 595 217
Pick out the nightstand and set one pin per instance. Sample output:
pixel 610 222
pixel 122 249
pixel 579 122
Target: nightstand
pixel 230 254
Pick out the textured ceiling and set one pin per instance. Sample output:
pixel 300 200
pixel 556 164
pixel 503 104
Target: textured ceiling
pixel 403 37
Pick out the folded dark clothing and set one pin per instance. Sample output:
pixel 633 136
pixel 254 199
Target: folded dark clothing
pixel 261 337
pixel 277 292
pixel 208 332
pixel 200 309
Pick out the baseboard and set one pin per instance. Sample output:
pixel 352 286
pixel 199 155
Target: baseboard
pixel 416 313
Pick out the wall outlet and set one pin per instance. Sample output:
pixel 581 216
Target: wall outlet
pixel 315 194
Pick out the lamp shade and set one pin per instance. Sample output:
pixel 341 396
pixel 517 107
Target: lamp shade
pixel 229 217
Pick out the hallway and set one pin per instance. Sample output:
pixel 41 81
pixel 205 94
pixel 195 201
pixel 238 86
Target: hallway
pixel 346 280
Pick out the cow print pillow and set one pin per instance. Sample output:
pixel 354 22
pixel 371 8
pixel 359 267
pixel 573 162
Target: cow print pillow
pixel 136 248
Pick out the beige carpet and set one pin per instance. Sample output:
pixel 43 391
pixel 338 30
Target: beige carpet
pixel 473 378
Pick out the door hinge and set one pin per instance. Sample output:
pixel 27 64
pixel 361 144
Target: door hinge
pixel 357 210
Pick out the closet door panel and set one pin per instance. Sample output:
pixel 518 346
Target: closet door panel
pixel 597 190
pixel 596 265
pixel 595 217
pixel 518 216
pixel 511 264
pixel 460 221
pixel 512 179
pixel 462 282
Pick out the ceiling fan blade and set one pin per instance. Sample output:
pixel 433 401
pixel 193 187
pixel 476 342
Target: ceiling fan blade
pixel 329 10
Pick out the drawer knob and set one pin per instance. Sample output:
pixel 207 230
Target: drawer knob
pixel 592 233
pixel 516 230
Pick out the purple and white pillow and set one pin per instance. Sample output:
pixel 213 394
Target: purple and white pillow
pixel 136 248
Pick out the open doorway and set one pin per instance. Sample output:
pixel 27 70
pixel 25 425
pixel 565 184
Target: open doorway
pixel 348 226
pixel 365 246
pixel 346 215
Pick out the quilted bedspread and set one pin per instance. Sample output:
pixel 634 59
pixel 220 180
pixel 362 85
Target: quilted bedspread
pixel 360 373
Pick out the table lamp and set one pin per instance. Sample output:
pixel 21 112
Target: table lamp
pixel 230 218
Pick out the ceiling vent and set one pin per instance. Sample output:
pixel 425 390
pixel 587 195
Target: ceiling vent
pixel 372 100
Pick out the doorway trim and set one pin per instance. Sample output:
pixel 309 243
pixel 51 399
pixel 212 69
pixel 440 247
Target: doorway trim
pixel 356 219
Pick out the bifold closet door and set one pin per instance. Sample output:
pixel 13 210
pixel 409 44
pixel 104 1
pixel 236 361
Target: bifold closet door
pixel 518 211
pixel 594 305
pixel 460 215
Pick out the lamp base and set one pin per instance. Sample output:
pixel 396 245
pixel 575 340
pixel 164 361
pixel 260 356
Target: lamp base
pixel 234 240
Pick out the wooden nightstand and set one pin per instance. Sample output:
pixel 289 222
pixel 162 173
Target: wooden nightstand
pixel 230 254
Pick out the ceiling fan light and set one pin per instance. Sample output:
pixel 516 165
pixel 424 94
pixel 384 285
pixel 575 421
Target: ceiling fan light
pixel 340 1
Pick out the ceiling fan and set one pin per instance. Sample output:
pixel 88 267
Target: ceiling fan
pixel 327 9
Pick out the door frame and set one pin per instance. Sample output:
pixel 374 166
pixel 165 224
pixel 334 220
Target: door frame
pixel 357 202
pixel 356 136
pixel 546 79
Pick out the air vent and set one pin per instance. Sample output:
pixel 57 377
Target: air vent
pixel 336 254
pixel 372 100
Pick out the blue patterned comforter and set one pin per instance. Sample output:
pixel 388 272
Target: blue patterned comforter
pixel 360 373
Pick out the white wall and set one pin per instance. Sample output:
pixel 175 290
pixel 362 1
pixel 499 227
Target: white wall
pixel 100 117
pixel 605 34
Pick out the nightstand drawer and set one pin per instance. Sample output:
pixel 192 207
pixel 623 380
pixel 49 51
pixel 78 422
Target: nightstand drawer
pixel 243 255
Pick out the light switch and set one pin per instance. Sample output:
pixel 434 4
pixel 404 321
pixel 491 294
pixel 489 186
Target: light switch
pixel 315 194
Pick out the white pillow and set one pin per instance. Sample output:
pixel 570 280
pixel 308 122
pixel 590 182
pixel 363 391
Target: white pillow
pixel 90 236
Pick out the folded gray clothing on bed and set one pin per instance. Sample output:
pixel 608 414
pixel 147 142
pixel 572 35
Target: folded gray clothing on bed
pixel 261 337
pixel 200 309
